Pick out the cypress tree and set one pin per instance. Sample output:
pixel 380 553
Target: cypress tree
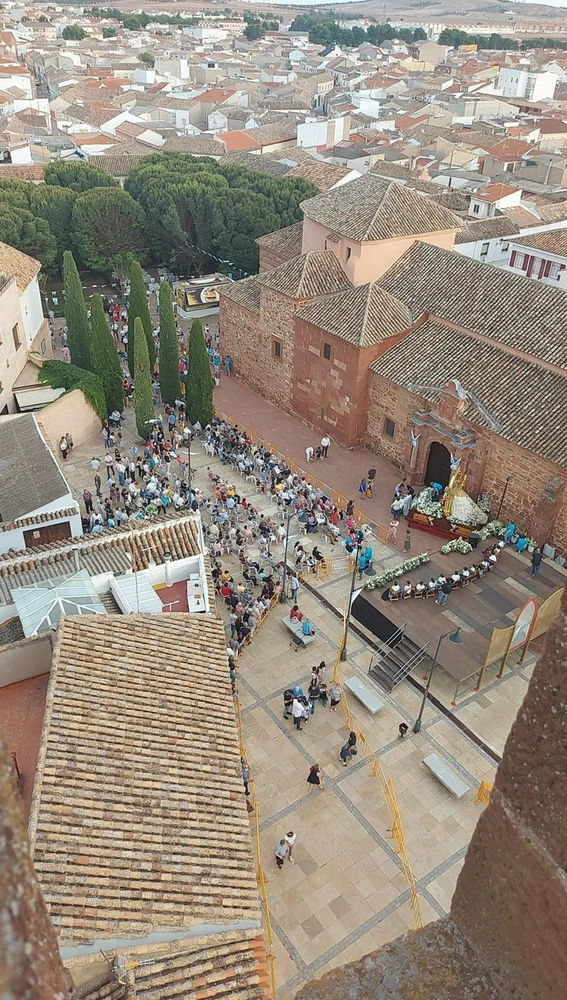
pixel 104 357
pixel 169 382
pixel 138 307
pixel 143 395
pixel 76 314
pixel 199 384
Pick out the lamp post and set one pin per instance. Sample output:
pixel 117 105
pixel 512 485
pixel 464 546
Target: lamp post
pixel 347 610
pixel 454 637
pixel 508 481
pixel 283 595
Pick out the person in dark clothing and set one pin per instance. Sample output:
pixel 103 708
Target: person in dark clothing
pixel 537 556
pixel 287 703
pixel 313 693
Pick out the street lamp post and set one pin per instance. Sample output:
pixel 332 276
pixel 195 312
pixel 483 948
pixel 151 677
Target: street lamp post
pixel 454 637
pixel 347 610
pixel 283 595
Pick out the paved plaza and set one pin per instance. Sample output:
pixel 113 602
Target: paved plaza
pixel 347 894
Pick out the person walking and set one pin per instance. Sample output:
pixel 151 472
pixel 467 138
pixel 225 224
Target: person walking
pixel 297 712
pixel 407 541
pixel 98 485
pixel 325 445
pixel 443 593
pixel 335 694
pixel 363 486
pixel 392 531
pixel 537 556
pixel 349 749
pixel 315 778
pixel 281 851
pixel 371 475
pixel 88 498
pixel 313 693
pixel 109 463
pixel 245 776
pixel 290 839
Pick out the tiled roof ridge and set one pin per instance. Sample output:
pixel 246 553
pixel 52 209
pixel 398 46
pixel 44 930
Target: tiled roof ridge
pixel 102 540
pixel 21 522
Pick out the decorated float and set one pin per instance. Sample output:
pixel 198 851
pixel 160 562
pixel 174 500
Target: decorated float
pixel 449 513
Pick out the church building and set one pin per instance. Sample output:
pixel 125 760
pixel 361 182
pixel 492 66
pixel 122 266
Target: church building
pixel 366 324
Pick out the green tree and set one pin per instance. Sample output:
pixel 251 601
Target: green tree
pixel 147 58
pixel 168 347
pixel 76 314
pixel 78 176
pixel 107 227
pixel 55 205
pixel 138 308
pixel 20 229
pixel 73 33
pixel 104 357
pixel 199 384
pixel 109 32
pixel 143 395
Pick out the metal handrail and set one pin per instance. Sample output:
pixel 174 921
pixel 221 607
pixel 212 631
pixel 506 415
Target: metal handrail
pixel 385 647
pixel 411 663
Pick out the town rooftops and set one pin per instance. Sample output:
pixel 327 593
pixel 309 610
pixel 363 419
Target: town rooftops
pixel 495 192
pixel 376 209
pixel 14 263
pixel 285 242
pixel 29 475
pixel 553 241
pixel 505 307
pixel 138 822
pixel 363 316
pixel 487 229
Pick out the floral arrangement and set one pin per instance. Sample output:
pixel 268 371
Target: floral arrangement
pixel 425 504
pixel 402 569
pixel 494 529
pixel 483 502
pixel 456 545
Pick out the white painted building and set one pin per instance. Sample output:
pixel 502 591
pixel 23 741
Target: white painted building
pixel 517 82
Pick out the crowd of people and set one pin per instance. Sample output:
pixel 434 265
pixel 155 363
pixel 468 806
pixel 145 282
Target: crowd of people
pixel 443 586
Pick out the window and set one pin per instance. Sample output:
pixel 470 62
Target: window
pixel 348 252
pixel 43 346
pixel 389 428
pixel 484 249
pixel 504 247
pixel 327 351
pixel 277 348
pixel 476 209
pixel 16 336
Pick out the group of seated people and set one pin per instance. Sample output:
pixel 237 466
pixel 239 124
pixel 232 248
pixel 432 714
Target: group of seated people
pixel 297 616
pixel 304 560
pixel 460 578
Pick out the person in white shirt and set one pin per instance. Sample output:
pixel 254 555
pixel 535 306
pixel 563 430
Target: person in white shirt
pixel 325 445
pixel 456 578
pixel 290 839
pixel 420 587
pixel 95 463
pixel 297 712
pixel 395 589
pixel 466 573
pixel 407 588
pixel 432 585
pixel 309 454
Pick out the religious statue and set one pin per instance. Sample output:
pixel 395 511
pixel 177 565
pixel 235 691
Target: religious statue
pixel 458 505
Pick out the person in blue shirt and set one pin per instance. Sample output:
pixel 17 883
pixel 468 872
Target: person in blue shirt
pixel 307 628
pixel 365 560
pixel 521 544
pixel 509 532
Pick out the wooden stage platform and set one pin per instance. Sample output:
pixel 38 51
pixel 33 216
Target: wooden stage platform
pixel 492 601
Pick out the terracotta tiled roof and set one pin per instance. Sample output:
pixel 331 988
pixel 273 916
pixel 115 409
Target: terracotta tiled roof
pixel 285 242
pixel 494 192
pixel 29 475
pixel 553 213
pixel 374 209
pixel 363 316
pixel 14 263
pixel 322 175
pixel 263 164
pixel 26 522
pixel 246 292
pixel 21 172
pixel 554 241
pixel 238 140
pixel 139 820
pixel 487 229
pixel 315 273
pixel 506 307
pixel 528 401
pixel 229 966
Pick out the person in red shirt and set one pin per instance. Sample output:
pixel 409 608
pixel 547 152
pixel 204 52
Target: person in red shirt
pixel 295 614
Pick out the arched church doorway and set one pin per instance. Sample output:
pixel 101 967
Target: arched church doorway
pixel 438 465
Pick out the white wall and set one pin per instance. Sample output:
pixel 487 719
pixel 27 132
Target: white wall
pixel 14 538
pixel 32 312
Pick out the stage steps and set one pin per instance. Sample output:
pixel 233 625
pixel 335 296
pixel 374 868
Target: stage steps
pixel 391 666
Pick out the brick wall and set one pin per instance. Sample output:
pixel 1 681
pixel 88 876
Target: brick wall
pixel 487 465
pixel 269 259
pixel 331 394
pixel 249 338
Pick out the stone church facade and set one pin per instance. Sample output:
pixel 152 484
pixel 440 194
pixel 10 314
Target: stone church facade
pixel 365 323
